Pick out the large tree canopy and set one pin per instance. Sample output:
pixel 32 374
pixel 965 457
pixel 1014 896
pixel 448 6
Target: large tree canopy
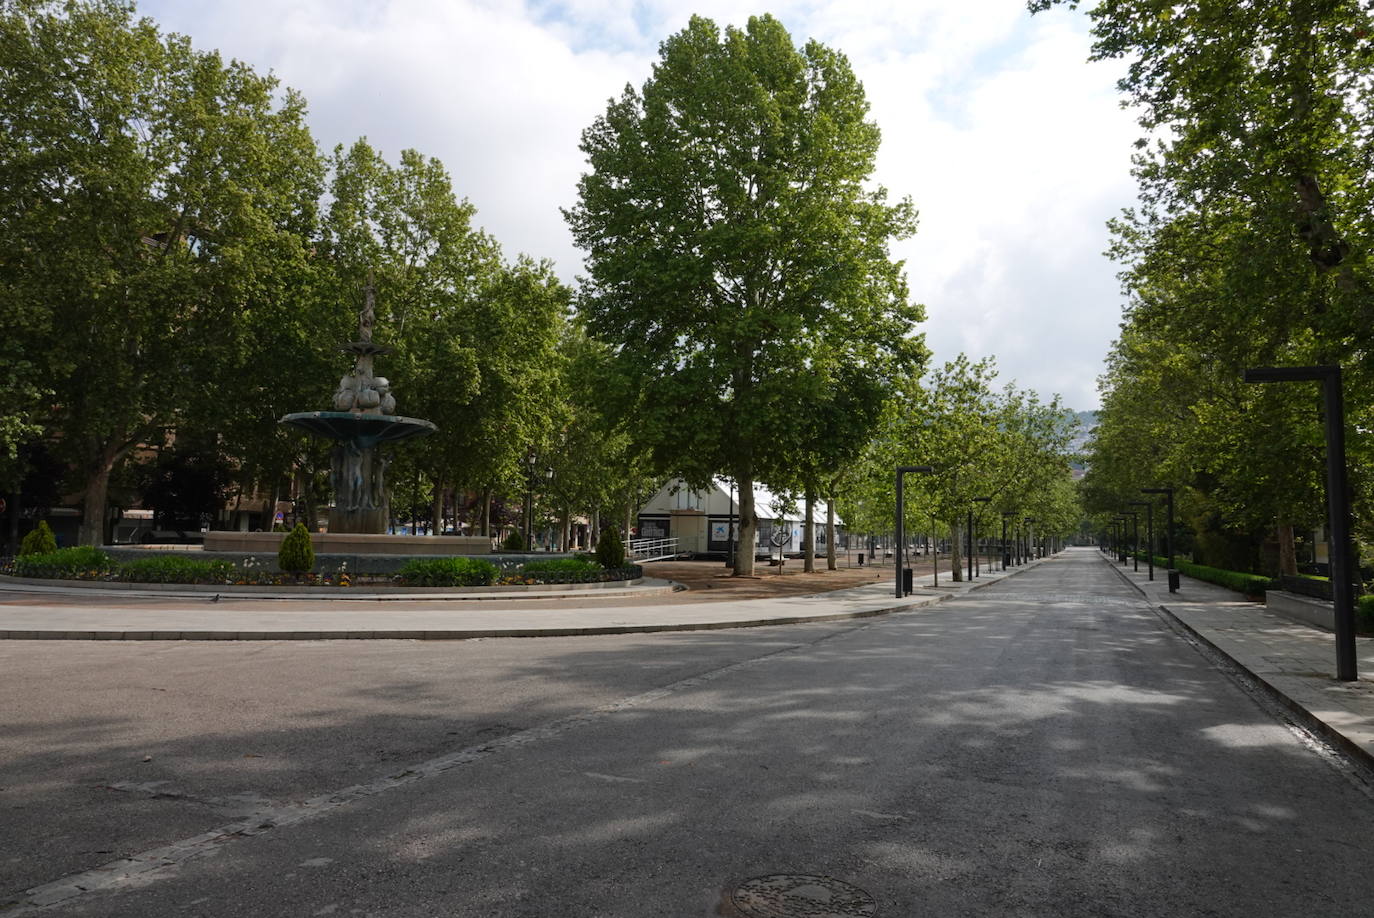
pixel 153 199
pixel 736 255
pixel 1253 246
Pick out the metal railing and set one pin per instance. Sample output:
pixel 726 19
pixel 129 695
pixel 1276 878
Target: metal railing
pixel 644 550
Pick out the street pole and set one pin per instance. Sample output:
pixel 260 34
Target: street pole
pixel 1337 501
pixel 1170 573
pixel 901 512
pixel 1006 553
pixel 1134 549
pixel 1149 534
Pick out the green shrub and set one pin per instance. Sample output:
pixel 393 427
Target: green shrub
pixel 1249 584
pixel 175 569
pixel 441 572
pixel 297 552
pixel 64 563
pixel 513 542
pixel 39 541
pixel 610 552
pixel 561 565
pixel 1364 613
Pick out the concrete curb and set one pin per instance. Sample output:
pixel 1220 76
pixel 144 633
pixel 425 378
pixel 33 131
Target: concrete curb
pixel 889 606
pixel 465 634
pixel 1301 713
pixel 644 586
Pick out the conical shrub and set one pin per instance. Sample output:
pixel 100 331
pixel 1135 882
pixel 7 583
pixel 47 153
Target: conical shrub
pixel 610 551
pixel 39 541
pixel 297 552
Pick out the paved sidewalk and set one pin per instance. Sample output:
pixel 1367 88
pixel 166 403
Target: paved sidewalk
pixel 1296 661
pixel 51 614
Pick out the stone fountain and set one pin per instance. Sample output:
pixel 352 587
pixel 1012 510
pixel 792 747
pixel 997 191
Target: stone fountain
pixel 364 417
pixel 362 420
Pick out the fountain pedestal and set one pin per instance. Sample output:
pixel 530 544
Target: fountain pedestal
pixel 364 418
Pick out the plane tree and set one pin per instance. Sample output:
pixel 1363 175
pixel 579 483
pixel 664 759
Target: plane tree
pixel 734 243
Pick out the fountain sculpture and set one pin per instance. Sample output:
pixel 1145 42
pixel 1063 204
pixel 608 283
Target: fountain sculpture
pixel 362 420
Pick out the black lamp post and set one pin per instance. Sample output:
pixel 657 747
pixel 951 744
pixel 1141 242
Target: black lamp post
pixel 1006 550
pixel 1149 536
pixel 1337 501
pixel 1168 534
pixel 1133 549
pixel 902 470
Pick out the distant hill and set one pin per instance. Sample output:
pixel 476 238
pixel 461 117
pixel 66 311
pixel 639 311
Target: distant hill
pixel 1087 423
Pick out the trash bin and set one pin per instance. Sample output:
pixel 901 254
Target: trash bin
pixel 906 581
pixel 861 559
pixel 1173 581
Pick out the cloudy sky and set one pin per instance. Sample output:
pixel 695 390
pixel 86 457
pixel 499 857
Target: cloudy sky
pixel 1011 145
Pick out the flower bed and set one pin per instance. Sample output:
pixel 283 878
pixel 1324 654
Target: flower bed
pixel 91 564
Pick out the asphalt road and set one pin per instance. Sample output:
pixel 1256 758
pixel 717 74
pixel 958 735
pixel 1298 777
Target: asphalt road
pixel 1045 746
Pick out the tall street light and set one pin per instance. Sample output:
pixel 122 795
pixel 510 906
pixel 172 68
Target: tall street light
pixel 1149 534
pixel 1006 550
pixel 1168 534
pixel 1134 550
pixel 902 470
pixel 1337 500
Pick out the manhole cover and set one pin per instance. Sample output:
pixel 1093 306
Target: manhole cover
pixel 784 895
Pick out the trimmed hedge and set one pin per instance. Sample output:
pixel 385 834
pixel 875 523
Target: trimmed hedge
pixel 77 562
pixel 557 565
pixel 1249 584
pixel 176 569
pixel 443 572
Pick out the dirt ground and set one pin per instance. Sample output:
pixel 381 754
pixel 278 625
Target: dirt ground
pixel 712 581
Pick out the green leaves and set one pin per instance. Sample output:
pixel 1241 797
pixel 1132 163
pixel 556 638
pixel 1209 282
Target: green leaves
pixel 738 264
pixel 1251 248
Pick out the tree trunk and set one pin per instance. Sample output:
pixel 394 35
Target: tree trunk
pixel 956 552
pixel 564 524
pixel 94 505
pixel 830 562
pixel 16 507
pixel 1288 552
pixel 748 526
pixel 485 512
pixel 437 509
pixel 594 531
pixel 809 534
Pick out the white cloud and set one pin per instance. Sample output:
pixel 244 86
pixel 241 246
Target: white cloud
pixel 1009 143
